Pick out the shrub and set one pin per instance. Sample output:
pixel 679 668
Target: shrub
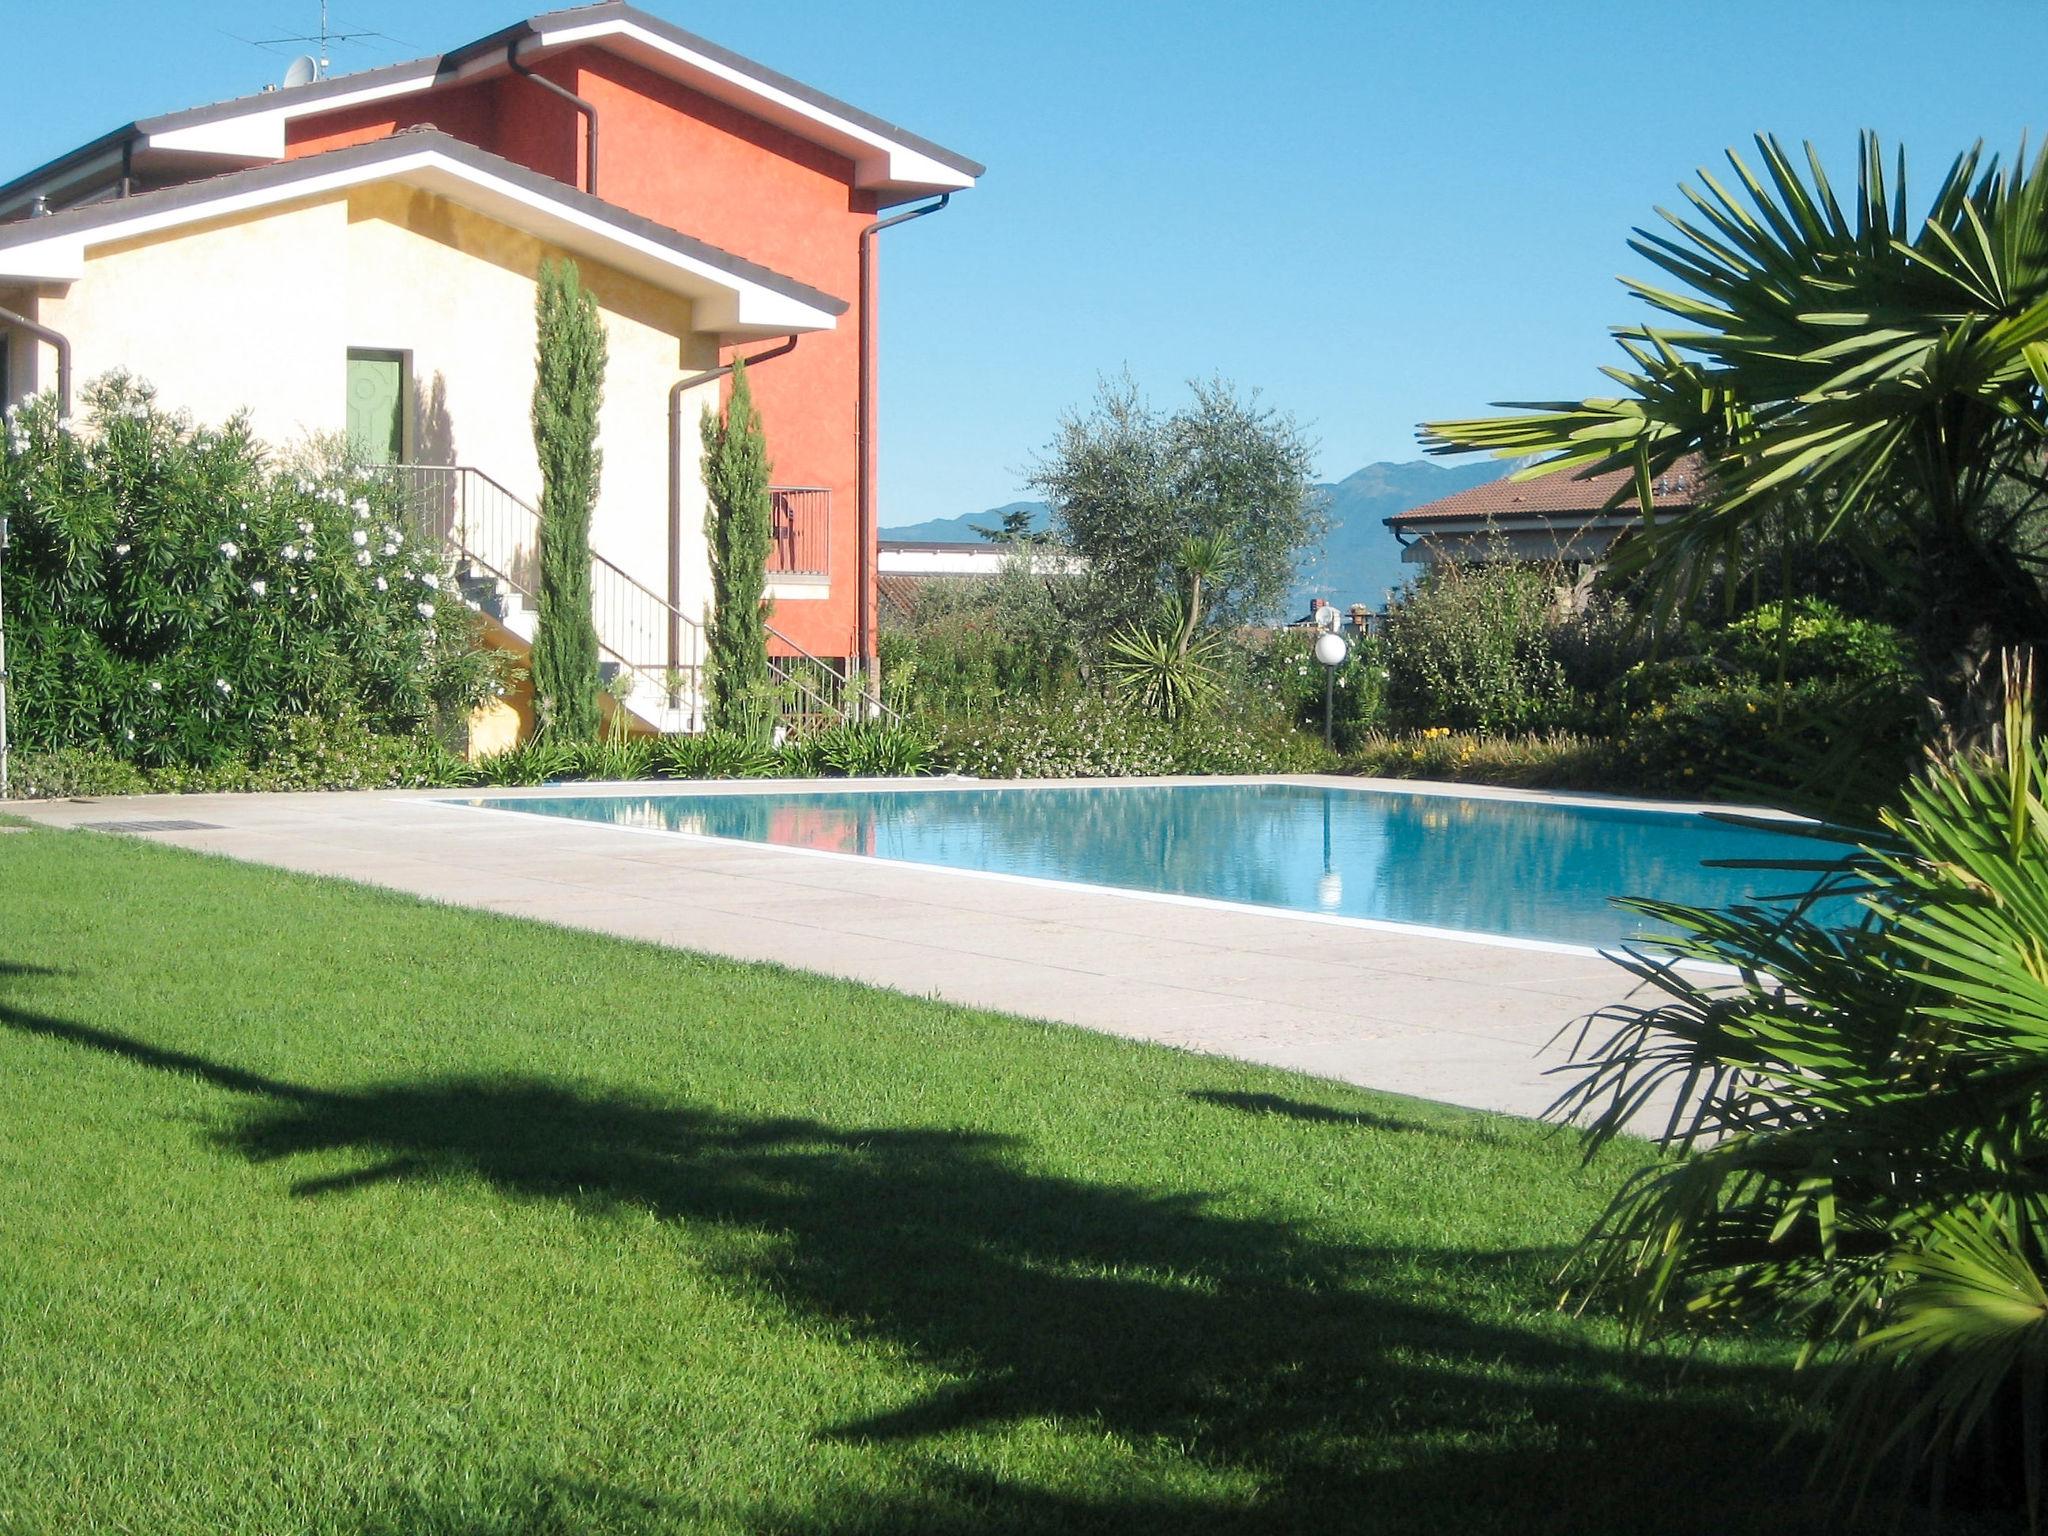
pixel 1470 646
pixel 801 757
pixel 1283 669
pixel 65 771
pixel 1151 672
pixel 1547 760
pixel 1823 642
pixel 1851 742
pixel 882 749
pixel 314 753
pixel 537 762
pixel 307 753
pixel 616 758
pixel 1085 737
pixel 715 754
pixel 1860 1105
pixel 175 600
pixel 963 650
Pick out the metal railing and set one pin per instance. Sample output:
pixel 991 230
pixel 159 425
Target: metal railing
pixel 815 692
pixel 800 530
pixel 496 534
pixel 476 518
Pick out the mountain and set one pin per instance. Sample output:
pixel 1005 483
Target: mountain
pixel 960 530
pixel 1360 561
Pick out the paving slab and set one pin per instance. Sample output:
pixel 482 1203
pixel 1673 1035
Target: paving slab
pixel 1410 1012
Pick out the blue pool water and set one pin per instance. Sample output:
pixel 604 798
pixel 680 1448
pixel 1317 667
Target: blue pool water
pixel 1515 868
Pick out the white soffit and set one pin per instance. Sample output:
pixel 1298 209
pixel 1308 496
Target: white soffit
pixel 259 133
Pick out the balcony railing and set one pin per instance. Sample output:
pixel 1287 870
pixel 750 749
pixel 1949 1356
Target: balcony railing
pixel 799 528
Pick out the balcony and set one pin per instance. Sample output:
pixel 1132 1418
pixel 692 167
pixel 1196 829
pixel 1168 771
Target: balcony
pixel 799 532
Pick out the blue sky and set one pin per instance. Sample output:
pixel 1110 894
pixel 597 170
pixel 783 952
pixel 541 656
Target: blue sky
pixel 1375 212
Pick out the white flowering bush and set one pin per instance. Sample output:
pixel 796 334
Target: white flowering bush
pixel 176 599
pixel 1283 668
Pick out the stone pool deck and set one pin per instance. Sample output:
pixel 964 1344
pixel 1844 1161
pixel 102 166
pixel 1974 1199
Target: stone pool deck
pixel 1440 1018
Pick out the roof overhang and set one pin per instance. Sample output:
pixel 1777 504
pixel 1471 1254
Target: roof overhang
pixel 890 161
pixel 886 159
pixel 1423 527
pixel 733 297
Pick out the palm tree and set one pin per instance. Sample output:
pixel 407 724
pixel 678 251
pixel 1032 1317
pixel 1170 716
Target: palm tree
pixel 1875 381
pixel 1865 1109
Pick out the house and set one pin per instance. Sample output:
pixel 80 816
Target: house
pixel 910 568
pixel 1564 515
pixel 358 255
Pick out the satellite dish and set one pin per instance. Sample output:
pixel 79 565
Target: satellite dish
pixel 303 71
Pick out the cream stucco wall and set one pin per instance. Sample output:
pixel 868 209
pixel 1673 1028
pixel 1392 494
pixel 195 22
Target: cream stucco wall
pixel 258 314
pixel 225 318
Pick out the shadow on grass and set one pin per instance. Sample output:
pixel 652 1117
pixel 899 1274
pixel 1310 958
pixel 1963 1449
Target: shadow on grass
pixel 1464 1127
pixel 1351 1387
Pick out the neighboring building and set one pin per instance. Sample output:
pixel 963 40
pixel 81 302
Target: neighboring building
pixel 358 255
pixel 911 567
pixel 1562 515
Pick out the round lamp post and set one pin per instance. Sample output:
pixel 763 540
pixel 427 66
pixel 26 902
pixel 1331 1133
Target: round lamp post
pixel 1332 649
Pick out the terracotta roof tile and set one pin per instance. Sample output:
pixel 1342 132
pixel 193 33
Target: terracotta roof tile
pixel 1560 496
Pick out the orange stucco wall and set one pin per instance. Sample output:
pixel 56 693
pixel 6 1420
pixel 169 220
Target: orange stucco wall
pixel 675 155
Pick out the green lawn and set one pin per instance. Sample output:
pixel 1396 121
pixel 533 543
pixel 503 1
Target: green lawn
pixel 326 1210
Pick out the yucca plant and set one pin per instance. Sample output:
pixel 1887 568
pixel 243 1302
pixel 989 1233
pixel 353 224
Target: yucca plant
pixel 1862 1118
pixel 1149 670
pixel 1170 670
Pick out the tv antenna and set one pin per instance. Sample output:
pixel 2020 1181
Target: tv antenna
pixel 308 67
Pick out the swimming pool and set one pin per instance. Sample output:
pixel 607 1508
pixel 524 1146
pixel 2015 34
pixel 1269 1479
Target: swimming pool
pixel 1523 869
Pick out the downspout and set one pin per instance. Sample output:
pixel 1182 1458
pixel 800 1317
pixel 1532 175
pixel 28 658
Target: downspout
pixel 56 340
pixel 676 392
pixel 864 436
pixel 589 112
pixel 128 166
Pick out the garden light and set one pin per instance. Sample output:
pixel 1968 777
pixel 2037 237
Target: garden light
pixel 1332 650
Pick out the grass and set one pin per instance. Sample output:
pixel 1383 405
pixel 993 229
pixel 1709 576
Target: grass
pixel 332 1211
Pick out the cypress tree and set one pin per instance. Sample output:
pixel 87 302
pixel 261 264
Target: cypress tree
pixel 567 390
pixel 737 526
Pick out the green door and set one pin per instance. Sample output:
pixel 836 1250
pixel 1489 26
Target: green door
pixel 376 400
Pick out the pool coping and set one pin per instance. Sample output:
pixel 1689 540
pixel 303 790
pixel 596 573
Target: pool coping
pixel 697 788
pixel 1585 799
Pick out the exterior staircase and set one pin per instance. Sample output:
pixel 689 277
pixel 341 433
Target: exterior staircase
pixel 651 654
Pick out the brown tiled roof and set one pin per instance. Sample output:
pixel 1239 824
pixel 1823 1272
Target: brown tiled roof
pixel 1561 496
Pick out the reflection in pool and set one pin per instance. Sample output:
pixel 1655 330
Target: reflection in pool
pixel 1515 868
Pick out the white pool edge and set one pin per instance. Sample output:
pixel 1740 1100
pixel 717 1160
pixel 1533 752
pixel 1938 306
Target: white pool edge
pixel 1128 893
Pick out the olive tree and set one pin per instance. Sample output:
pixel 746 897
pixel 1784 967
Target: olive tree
pixel 1133 489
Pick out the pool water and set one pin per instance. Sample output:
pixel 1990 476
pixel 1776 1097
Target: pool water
pixel 1511 868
